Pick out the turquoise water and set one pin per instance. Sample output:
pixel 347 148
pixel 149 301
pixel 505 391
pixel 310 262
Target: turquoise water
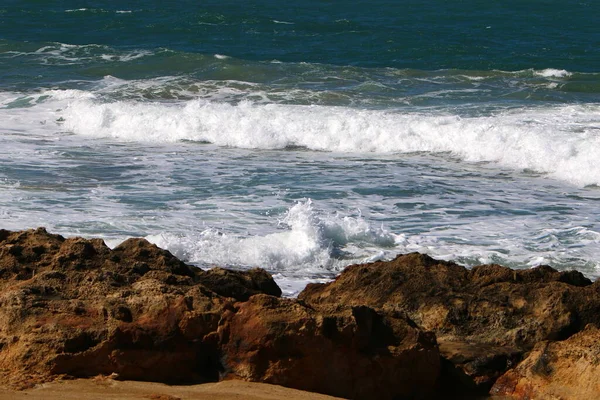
pixel 304 137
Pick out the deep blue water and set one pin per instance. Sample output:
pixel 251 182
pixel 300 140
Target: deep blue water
pixel 504 35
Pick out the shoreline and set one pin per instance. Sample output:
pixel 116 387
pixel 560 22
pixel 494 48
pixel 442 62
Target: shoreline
pixel 411 327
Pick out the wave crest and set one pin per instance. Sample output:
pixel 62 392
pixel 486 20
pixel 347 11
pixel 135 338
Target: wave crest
pixel 562 141
pixel 309 242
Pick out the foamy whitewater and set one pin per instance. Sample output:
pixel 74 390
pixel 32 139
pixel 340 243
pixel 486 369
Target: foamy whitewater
pixel 276 154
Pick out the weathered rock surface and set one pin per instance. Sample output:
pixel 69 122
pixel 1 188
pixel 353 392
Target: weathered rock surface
pixel 76 307
pixel 485 319
pixel 409 328
pixel 568 369
pixel 353 353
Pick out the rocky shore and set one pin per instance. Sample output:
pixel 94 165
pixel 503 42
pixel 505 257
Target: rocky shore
pixel 410 328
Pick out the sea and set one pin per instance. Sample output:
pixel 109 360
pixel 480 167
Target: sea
pixel 305 136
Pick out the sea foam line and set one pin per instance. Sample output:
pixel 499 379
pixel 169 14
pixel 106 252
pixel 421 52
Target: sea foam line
pixel 562 141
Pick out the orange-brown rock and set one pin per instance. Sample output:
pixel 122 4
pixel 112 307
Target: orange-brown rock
pixel 76 307
pixel 351 352
pixel 568 369
pixel 484 318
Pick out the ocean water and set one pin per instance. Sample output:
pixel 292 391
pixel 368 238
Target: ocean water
pixel 305 137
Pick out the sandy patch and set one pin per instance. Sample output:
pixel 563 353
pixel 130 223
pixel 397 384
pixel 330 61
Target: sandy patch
pixel 103 389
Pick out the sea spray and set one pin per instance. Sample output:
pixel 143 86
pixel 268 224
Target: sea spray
pixel 306 240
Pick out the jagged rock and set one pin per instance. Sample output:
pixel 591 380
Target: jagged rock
pixel 568 369
pixel 240 285
pixel 485 318
pixel 76 307
pixel 353 353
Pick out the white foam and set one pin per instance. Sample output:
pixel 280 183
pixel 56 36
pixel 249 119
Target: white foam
pixel 553 73
pixel 67 54
pixel 473 78
pixel 514 243
pixel 562 141
pixel 134 55
pixel 293 285
pixel 311 245
pixel 9 184
pixel 306 243
pixel 68 94
pixel 92 10
pixel 55 49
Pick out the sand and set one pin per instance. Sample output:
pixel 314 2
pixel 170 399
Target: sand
pixel 104 388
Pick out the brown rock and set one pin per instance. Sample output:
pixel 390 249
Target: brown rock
pixel 75 307
pixel 353 352
pixel 568 369
pixel 240 285
pixel 484 318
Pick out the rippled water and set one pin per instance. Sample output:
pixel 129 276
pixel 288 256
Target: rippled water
pixel 307 138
